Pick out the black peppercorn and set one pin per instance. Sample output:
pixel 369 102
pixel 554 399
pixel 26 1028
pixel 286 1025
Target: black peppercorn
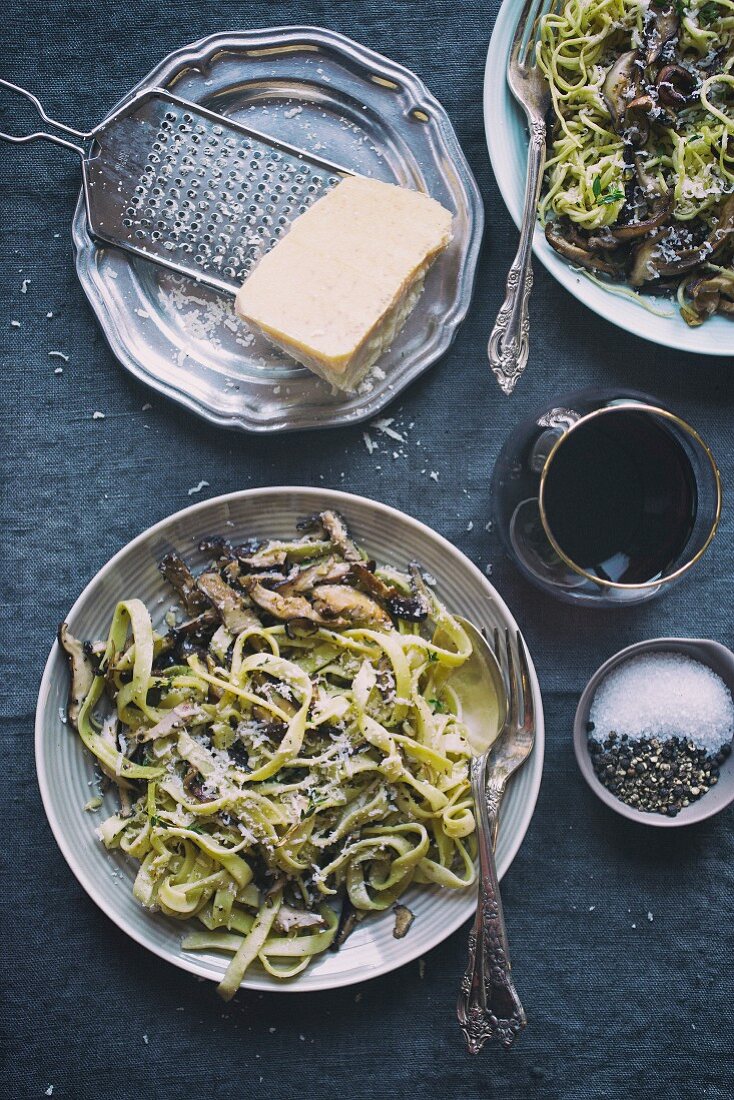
pixel 655 776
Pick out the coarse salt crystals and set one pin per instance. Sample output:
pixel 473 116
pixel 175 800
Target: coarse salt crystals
pixel 664 695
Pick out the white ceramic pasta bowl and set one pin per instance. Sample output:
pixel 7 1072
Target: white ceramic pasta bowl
pixel 65 769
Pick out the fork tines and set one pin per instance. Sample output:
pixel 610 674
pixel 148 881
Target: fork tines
pixel 526 32
pixel 516 671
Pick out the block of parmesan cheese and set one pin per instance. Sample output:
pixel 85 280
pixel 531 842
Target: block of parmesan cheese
pixel 335 290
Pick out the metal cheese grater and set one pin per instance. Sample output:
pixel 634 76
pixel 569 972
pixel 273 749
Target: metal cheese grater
pixel 187 188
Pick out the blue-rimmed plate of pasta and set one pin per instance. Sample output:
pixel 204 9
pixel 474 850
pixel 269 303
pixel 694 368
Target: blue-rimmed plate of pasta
pixel 638 197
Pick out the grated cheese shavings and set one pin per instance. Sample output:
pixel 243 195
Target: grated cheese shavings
pixel 384 426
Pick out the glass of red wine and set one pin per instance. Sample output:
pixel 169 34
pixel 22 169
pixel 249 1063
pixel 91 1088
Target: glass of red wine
pixel 606 498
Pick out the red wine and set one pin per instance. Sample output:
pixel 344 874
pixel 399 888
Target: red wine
pixel 620 497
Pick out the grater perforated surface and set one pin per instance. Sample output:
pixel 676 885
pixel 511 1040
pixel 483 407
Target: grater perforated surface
pixel 182 186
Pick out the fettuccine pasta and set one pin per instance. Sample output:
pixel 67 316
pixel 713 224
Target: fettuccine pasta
pixel 281 767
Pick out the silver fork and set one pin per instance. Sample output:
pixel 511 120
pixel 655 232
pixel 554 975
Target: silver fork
pixel 508 344
pixel 488 1005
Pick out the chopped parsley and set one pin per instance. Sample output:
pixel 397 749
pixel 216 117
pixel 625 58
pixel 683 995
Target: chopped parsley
pixel 709 12
pixel 314 801
pixel 612 194
pixel 438 705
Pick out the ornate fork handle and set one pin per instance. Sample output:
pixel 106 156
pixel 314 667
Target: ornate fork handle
pixel 508 344
pixel 488 1006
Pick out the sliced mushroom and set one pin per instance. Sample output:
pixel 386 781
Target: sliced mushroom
pixel 81 672
pixel 662 25
pixel 580 256
pixel 575 235
pixel 349 918
pixel 289 919
pixel 713 62
pixel 268 558
pixel 289 608
pixel 643 103
pixel 676 86
pixel 220 551
pixel 231 605
pixel 176 719
pixel 633 230
pixel 648 256
pixel 413 608
pixel 300 628
pixel 724 224
pixel 185 639
pixel 404 917
pixel 709 295
pixel 603 241
pixel 340 601
pixel 636 128
pixel 201 626
pixel 194 783
pixel 661 288
pixel 180 577
pixel 278 881
pixel 620 86
pixel 658 257
pixel 336 530
pixel 328 571
pixel 652 188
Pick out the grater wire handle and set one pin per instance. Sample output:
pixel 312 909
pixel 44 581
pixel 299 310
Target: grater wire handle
pixel 43 134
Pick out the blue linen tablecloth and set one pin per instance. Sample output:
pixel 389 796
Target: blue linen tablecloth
pixel 621 936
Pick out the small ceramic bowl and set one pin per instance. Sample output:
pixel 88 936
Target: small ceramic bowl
pixel 718 658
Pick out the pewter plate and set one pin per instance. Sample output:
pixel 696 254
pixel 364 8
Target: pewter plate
pixel 65 770
pixel 318 90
